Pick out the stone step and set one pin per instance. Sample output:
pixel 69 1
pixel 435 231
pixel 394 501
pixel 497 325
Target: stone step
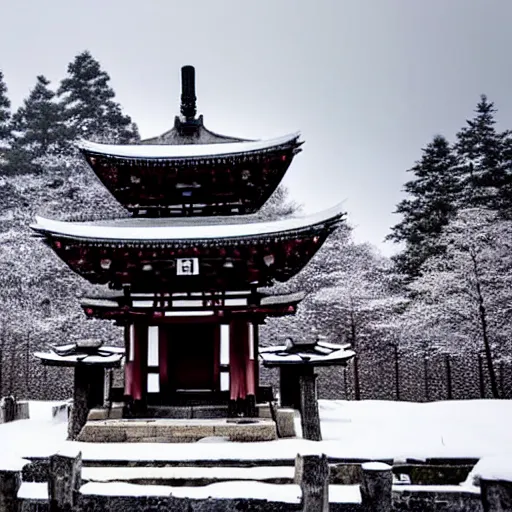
pixel 187 475
pixel 176 430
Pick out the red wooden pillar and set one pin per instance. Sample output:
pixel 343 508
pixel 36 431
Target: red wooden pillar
pixel 139 374
pixel 238 342
pixel 241 365
pixel 256 338
pixel 250 355
pixel 128 363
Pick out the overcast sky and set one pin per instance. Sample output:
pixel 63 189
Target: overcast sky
pixel 367 82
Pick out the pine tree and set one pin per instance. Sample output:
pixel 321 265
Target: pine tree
pixel 88 102
pixel 433 196
pixel 5 116
pixel 37 129
pixel 481 150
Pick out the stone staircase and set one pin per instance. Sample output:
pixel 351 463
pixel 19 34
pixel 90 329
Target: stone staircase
pixel 210 485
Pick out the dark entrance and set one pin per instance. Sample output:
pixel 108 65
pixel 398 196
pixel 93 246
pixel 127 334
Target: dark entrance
pixel 191 357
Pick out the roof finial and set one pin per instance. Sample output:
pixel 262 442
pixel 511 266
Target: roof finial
pixel 188 92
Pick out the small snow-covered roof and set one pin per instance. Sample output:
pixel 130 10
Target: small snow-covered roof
pixel 183 151
pixel 71 355
pixel 147 229
pixel 315 354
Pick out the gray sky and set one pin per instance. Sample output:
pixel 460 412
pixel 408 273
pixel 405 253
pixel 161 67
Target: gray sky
pixel 367 82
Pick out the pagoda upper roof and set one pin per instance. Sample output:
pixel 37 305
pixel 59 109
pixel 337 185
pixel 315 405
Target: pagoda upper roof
pixel 187 151
pixel 190 170
pixel 187 230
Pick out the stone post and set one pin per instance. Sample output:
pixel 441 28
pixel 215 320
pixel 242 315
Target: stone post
pixel 9 408
pixel 496 495
pixel 376 487
pixel 310 418
pixel 10 481
pixel 65 479
pixel 312 475
pixel 80 407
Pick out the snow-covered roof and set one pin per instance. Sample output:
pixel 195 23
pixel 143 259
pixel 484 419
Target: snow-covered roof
pixel 185 150
pixel 316 354
pixel 146 229
pixel 71 355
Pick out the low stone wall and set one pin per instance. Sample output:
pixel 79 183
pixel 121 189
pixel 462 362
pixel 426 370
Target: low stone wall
pixel 12 410
pixel 22 410
pixel 172 504
pixel 442 498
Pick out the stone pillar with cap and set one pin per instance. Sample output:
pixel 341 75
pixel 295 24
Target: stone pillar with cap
pixel 88 389
pixel 376 487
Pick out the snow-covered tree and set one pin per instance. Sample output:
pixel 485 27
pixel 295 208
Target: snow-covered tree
pixel 481 150
pixel 431 202
pixel 89 104
pixel 463 299
pixel 357 297
pixel 5 116
pixel 278 206
pixel 37 129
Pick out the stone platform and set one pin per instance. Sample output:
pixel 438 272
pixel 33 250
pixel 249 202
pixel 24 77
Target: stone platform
pixel 165 430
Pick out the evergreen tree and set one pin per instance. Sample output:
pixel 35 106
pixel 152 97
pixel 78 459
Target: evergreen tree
pixel 89 106
pixel 5 116
pixel 37 129
pixel 481 150
pixel 433 195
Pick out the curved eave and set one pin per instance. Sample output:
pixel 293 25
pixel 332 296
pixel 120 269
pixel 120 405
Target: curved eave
pixel 114 309
pixel 142 230
pixel 178 152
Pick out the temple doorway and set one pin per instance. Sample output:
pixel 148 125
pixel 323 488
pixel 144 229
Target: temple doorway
pixel 191 357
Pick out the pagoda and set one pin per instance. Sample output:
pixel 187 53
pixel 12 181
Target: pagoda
pixel 188 272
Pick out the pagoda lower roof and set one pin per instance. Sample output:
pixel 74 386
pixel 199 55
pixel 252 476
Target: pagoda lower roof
pixel 187 151
pixel 187 230
pixel 155 255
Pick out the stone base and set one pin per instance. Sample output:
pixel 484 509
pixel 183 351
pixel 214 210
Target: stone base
pixel 286 422
pixel 285 419
pixel 103 413
pixel 175 431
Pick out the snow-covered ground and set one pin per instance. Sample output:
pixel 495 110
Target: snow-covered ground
pixel 363 430
pixel 27 437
